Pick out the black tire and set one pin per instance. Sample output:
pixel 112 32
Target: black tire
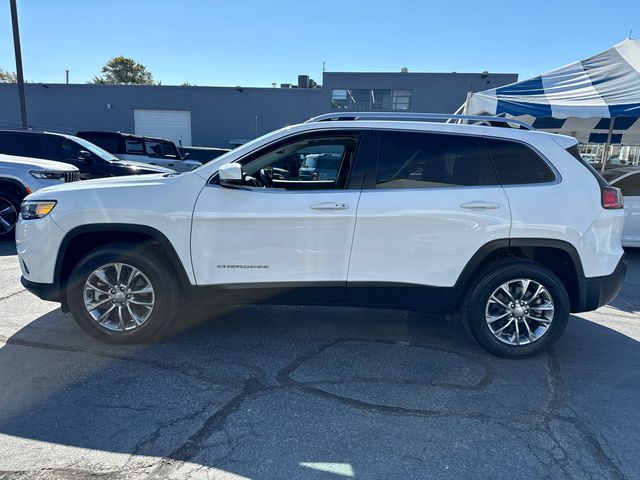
pixel 147 261
pixel 5 199
pixel 475 304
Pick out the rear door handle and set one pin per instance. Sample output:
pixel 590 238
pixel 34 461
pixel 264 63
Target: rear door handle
pixel 329 206
pixel 480 205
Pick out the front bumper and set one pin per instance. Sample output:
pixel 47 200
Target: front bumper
pixel 45 291
pixel 595 292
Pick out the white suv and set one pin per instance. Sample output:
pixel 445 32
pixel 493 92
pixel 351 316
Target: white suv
pixel 20 176
pixel 507 226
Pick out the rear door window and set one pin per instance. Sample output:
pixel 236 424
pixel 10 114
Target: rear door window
pixel 134 147
pixel 21 144
pixel 428 160
pixel 169 150
pixel 153 149
pixel 518 164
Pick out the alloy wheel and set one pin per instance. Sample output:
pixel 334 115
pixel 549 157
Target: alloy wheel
pixel 119 297
pixel 519 311
pixel 8 216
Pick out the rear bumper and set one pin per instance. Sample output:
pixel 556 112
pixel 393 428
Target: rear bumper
pixel 595 292
pixel 45 291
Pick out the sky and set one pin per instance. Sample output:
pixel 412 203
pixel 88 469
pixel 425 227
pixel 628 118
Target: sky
pixel 255 43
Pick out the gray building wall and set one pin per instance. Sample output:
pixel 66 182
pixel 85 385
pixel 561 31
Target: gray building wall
pixel 220 114
pixel 430 92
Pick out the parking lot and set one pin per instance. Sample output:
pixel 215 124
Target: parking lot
pixel 291 392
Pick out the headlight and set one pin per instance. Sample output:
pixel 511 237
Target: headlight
pixel 34 209
pixel 46 174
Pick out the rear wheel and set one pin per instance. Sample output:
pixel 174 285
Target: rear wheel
pixel 122 293
pixel 9 210
pixel 517 310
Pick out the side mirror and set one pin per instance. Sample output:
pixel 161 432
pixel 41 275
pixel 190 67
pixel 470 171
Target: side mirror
pixel 85 156
pixel 230 175
pixel 185 155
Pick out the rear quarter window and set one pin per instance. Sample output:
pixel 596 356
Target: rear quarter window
pixel 517 163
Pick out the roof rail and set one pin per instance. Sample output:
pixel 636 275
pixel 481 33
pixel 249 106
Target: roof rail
pixel 491 120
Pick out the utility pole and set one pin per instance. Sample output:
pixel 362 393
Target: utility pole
pixel 67 76
pixel 16 47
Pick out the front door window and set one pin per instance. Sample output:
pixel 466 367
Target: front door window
pixel 312 163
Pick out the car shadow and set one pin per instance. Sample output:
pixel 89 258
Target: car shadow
pixel 628 300
pixel 293 392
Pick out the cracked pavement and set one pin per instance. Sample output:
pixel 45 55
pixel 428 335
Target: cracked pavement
pixel 319 393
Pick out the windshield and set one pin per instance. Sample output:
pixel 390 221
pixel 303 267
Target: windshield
pixel 103 154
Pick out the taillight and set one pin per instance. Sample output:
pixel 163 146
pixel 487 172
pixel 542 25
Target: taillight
pixel 612 198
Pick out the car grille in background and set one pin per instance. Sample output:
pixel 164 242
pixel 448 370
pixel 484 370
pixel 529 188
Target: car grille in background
pixel 71 177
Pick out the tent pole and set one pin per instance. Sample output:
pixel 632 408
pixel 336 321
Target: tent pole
pixel 605 153
pixel 465 110
pixel 457 112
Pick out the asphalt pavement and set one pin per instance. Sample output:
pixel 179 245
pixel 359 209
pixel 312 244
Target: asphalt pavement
pixel 315 393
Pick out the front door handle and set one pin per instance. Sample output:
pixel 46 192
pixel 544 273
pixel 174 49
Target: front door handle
pixel 478 205
pixel 329 206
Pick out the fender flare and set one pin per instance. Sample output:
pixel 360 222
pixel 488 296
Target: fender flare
pixel 158 238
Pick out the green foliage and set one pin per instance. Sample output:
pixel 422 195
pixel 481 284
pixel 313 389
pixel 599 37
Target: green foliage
pixel 7 76
pixel 122 70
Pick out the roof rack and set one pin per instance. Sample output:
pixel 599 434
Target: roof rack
pixel 491 120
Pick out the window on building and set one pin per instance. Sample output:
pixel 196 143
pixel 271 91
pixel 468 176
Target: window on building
pixel 366 99
pixel 339 99
pixel 401 100
pixel 425 160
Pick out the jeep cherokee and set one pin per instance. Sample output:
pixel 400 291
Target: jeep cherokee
pixel 507 226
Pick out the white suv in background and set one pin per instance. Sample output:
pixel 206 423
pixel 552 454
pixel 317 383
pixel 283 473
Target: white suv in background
pixel 508 226
pixel 20 176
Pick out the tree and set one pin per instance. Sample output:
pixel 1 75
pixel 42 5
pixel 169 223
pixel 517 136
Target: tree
pixel 7 76
pixel 124 70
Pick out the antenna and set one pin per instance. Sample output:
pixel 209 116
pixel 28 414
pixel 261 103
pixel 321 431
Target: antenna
pixel 630 32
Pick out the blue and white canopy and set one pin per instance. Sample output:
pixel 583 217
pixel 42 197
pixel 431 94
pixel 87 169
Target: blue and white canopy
pixel 577 99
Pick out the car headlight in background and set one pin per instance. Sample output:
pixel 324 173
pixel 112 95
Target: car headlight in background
pixel 47 174
pixel 32 209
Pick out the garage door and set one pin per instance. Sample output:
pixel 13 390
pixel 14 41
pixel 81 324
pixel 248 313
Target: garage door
pixel 171 124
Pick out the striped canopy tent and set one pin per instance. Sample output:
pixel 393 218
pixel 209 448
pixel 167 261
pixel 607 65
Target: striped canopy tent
pixel 594 100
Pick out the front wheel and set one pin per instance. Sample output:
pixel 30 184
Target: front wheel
pixel 517 310
pixel 9 210
pixel 122 293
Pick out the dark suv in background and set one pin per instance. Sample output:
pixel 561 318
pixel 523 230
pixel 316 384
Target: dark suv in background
pixel 91 160
pixel 140 148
